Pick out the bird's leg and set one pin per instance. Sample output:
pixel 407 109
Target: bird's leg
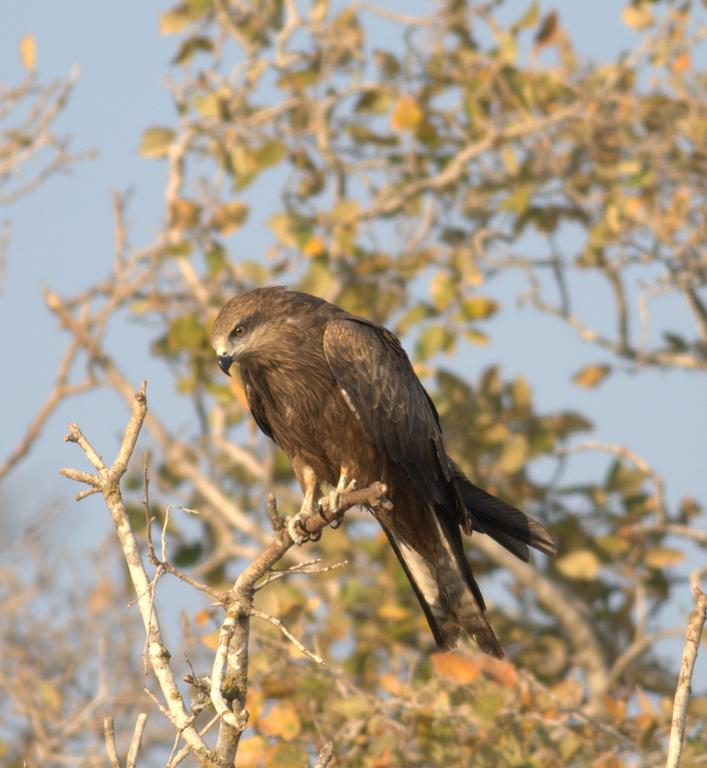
pixel 309 483
pixel 332 499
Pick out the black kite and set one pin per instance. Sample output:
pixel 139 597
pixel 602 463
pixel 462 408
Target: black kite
pixel 338 394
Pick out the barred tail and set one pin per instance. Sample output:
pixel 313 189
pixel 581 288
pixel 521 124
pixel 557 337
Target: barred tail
pixel 447 591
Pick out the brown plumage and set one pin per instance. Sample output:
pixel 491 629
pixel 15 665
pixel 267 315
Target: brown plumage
pixel 338 394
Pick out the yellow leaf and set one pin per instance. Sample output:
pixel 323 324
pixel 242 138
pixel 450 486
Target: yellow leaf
pixel 393 611
pixel 581 565
pixel 591 375
pixel 211 640
pixel 314 247
pixel 662 557
pixel 391 683
pixel 253 752
pixel 637 16
pixel 173 22
pixel 456 667
pixel 682 62
pixel 406 115
pixel 202 617
pixel 473 276
pixel 282 721
pixel 320 9
pixel 50 695
pixel 476 337
pixel 344 212
pixel 615 708
pixel 28 53
pixel 443 288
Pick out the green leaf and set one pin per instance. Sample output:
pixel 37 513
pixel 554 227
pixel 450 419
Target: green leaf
pixel 376 101
pixel 443 289
pixel 432 340
pixel 290 229
pixel 215 258
pixel 478 308
pixel 155 142
pixel 663 557
pixel 229 217
pixel 209 104
pixel 547 30
pixel 528 19
pixel 270 153
pixel 514 454
pixel 190 46
pixel 521 393
pixel 184 214
pixel 186 333
pixel 188 554
pixel 344 212
pixel 387 63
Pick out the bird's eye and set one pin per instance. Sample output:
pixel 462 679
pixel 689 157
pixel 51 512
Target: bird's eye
pixel 239 330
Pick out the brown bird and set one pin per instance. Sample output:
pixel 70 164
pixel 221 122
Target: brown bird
pixel 338 394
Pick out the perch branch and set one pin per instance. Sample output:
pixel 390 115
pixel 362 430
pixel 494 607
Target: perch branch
pixel 229 676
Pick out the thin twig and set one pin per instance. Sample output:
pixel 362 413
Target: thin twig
pixel 136 741
pixel 286 632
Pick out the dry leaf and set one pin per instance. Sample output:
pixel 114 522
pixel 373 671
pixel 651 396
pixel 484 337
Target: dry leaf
pixel 456 667
pixel 591 375
pixel 637 16
pixel 28 53
pixel 407 114
pixel 315 246
pixel 502 671
pixel 282 721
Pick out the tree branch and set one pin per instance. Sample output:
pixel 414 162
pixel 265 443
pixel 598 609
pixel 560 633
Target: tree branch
pixel 693 633
pixel 108 481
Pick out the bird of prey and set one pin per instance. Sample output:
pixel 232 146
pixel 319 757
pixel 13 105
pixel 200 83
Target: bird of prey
pixel 339 395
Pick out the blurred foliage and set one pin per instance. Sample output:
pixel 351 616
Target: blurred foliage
pixel 404 180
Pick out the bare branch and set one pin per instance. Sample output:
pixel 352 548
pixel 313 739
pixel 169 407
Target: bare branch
pixel 693 633
pixel 110 487
pixel 136 741
pixel 109 736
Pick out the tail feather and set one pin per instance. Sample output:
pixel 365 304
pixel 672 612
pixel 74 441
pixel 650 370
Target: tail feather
pixel 447 592
pixel 510 527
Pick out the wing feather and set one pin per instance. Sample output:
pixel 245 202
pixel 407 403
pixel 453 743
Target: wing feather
pixel 255 403
pixel 369 364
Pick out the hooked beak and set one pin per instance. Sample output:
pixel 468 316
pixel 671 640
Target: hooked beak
pixel 224 363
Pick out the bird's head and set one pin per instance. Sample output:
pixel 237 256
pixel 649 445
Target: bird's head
pixel 246 328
